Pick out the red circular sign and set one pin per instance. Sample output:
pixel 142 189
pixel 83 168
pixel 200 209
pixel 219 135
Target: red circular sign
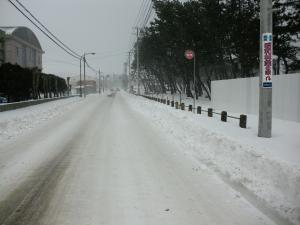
pixel 189 54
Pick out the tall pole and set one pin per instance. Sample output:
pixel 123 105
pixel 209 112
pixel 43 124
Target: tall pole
pixel 80 80
pixel 99 82
pixel 129 69
pixel 129 63
pixel 138 58
pixel 265 81
pixel 84 82
pixel 103 83
pixel 194 82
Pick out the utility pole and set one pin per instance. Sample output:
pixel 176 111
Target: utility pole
pixel 80 80
pixel 84 81
pixel 99 82
pixel 194 106
pixel 129 63
pixel 129 69
pixel 265 81
pixel 138 58
pixel 103 84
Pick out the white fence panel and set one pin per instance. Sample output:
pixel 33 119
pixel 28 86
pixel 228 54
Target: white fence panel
pixel 242 96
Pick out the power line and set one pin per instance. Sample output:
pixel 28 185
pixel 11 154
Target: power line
pixel 88 65
pixel 148 15
pixel 145 13
pixel 140 13
pixel 46 28
pixel 107 56
pixel 60 44
pixel 63 48
pixel 59 61
pixel 140 17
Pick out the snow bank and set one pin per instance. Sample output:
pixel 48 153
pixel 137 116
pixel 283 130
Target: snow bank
pixel 268 168
pixel 15 122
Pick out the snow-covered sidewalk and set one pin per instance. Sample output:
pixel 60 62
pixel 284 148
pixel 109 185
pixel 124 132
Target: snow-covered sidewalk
pixel 13 123
pixel 268 169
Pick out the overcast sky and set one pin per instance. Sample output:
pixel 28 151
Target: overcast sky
pixel 101 26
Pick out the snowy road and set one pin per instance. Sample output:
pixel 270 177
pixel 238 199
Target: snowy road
pixel 105 164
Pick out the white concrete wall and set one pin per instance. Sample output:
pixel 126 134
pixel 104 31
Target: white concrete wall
pixel 242 96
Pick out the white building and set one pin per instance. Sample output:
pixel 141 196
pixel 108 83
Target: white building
pixel 19 45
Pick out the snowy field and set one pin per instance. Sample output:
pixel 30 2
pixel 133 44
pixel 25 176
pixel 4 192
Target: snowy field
pixel 129 160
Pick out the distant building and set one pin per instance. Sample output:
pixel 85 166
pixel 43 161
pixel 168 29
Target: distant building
pixel 19 45
pixel 90 87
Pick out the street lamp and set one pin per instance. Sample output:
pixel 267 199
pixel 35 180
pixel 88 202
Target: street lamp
pixel 84 61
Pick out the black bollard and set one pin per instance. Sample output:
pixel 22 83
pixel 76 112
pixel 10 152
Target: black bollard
pixel 224 116
pixel 190 108
pixel 210 112
pixel 243 121
pixel 199 110
pixel 182 106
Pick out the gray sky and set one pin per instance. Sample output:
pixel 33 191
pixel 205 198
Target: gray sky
pixel 101 26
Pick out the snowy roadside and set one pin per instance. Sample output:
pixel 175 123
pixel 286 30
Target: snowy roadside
pixel 15 122
pixel 268 168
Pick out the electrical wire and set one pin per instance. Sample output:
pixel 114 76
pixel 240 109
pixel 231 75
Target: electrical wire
pixel 146 12
pixel 141 16
pixel 46 28
pixel 148 15
pixel 140 13
pixel 47 32
pixel 54 41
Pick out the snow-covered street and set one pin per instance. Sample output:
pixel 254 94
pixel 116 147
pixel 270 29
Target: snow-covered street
pixel 103 161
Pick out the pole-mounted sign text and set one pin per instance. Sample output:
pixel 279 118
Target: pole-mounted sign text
pixel 267 60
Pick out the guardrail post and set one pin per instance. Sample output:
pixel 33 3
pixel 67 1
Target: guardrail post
pixel 199 109
pixel 243 121
pixel 182 106
pixel 210 112
pixel 176 105
pixel 172 103
pixel 224 116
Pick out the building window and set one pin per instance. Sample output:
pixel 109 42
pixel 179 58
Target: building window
pixel 17 52
pixel 24 56
pixel 34 58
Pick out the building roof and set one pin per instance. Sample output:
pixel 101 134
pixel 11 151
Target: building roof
pixel 24 34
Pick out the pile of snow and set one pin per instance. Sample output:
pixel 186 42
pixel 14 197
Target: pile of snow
pixel 267 168
pixel 15 122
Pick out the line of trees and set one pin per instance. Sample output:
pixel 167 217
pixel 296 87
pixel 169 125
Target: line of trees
pixel 225 37
pixel 20 84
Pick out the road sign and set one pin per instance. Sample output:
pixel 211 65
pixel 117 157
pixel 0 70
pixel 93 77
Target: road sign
pixel 267 60
pixel 189 54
